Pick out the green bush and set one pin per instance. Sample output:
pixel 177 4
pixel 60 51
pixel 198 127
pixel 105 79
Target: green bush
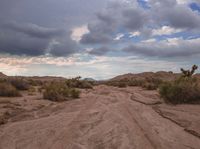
pixel 77 83
pixel 7 90
pixel 75 93
pixel 183 90
pixel 59 91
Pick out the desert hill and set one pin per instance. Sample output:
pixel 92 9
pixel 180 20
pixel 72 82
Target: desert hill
pixel 3 76
pixel 165 76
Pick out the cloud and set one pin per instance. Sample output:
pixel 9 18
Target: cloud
pixel 95 38
pixel 133 34
pixel 119 36
pixel 15 43
pixel 117 15
pixel 63 47
pixel 33 40
pixel 171 48
pixel 78 32
pixel 187 1
pixel 165 30
pixel 134 19
pixel 74 65
pixel 151 40
pixel 176 15
pixel 33 30
pixel 99 51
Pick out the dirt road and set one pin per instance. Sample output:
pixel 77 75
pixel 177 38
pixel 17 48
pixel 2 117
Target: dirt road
pixel 103 118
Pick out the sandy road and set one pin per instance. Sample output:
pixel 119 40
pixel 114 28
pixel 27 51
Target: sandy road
pixel 104 118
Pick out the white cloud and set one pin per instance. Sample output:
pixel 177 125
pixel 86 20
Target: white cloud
pixel 133 34
pixel 119 36
pixel 187 1
pixel 149 40
pixel 183 1
pixel 78 32
pixel 165 30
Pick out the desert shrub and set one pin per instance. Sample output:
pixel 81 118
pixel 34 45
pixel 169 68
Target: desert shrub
pixel 77 83
pixel 7 90
pixel 151 83
pixel 33 82
pixel 150 86
pixel 135 82
pixel 19 83
pixel 121 84
pixel 32 90
pixel 75 93
pixel 59 91
pixel 147 83
pixel 185 89
pixel 181 91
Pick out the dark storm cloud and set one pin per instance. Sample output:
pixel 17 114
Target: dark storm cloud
pixel 38 27
pixel 33 40
pixel 64 47
pixel 33 30
pixel 45 26
pixel 100 51
pixel 19 44
pixel 96 38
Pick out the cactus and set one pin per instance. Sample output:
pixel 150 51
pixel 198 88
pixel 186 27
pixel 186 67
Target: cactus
pixel 189 73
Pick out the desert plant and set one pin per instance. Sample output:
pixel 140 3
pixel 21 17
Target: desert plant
pixel 151 83
pixel 7 90
pixel 59 91
pixel 77 83
pixel 189 73
pixel 75 93
pixel 150 86
pixel 185 89
pixel 19 83
pixel 32 90
pixel 121 84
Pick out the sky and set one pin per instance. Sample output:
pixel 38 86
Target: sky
pixel 98 38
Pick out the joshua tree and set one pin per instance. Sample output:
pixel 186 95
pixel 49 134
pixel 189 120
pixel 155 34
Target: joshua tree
pixel 189 73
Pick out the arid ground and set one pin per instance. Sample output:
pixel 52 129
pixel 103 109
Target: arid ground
pixel 102 118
